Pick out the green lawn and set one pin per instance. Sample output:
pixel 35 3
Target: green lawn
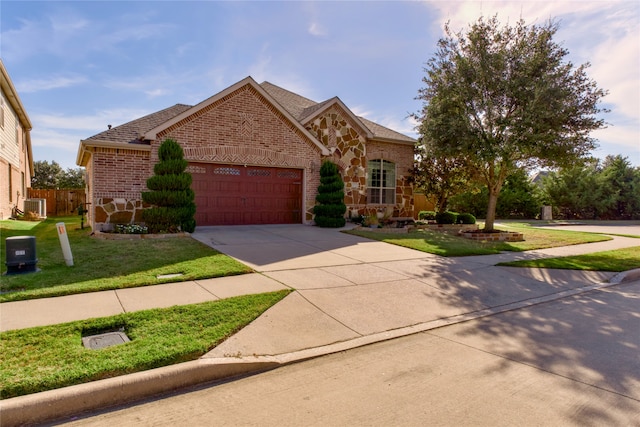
pixel 106 264
pixel 450 245
pixel 49 357
pixel 616 260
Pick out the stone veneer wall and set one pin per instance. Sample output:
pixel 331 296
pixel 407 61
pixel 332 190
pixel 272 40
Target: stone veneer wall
pixel 350 151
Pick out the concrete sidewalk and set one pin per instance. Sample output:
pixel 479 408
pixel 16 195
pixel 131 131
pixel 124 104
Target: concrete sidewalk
pixel 349 292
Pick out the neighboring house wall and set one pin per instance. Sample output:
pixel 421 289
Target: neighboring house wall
pixel 15 149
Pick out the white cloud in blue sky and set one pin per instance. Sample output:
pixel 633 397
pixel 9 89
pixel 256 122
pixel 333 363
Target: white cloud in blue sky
pixel 79 66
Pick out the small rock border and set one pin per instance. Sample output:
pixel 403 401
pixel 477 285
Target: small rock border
pixel 503 236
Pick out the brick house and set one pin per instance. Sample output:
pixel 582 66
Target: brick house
pixel 16 157
pixel 254 152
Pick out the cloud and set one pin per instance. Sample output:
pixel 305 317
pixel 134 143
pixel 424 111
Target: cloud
pixel 54 82
pixel 86 123
pixel 315 29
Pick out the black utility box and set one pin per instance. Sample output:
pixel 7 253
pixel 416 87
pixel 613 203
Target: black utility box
pixel 21 254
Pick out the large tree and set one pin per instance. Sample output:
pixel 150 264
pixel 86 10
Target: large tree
pixel 504 98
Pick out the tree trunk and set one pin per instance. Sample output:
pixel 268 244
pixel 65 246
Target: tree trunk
pixel 491 210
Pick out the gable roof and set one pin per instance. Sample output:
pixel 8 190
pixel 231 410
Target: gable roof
pixel 304 110
pixel 130 132
pixel 296 108
pixel 248 81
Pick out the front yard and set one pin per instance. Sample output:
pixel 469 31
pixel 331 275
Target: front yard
pixel 444 244
pixel 106 264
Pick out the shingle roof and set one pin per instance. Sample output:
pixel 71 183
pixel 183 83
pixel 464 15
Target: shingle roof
pixel 130 132
pixel 380 131
pixel 298 106
pixel 302 108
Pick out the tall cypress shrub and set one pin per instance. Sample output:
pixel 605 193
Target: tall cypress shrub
pixel 330 208
pixel 172 199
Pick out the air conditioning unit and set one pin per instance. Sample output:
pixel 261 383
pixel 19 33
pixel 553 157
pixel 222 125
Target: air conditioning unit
pixel 37 206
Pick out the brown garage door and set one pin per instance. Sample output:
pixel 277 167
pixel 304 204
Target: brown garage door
pixel 234 195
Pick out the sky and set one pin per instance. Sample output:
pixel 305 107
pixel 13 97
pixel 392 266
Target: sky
pixel 79 66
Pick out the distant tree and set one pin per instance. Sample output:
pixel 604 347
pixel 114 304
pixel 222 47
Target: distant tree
pixel 623 181
pixel 46 176
pixel 578 192
pixel 51 176
pixel 72 178
pixel 171 196
pixel 504 98
pixel 439 177
pixel 329 212
pixel 519 198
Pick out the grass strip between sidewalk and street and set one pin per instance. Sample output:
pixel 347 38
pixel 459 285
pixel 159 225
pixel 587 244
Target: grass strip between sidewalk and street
pixel 615 260
pixel 106 264
pixel 50 357
pixel 450 245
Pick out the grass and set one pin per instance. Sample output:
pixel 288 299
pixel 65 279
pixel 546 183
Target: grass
pixel 106 264
pixel 449 245
pixel 615 260
pixel 50 357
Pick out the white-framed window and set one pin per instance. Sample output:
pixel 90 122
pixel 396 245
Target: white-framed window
pixel 381 182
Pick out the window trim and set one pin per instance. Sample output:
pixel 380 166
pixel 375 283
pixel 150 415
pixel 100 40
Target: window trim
pixel 380 190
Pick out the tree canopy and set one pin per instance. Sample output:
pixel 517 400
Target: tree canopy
pixel 47 176
pixel 504 98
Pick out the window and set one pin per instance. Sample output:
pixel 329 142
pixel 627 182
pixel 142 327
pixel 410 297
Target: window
pixel 381 181
pixel 2 113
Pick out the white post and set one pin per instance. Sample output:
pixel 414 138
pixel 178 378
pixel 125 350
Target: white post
pixel 64 243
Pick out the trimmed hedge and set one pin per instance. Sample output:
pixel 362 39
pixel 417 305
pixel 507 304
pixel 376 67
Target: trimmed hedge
pixel 172 199
pixel 446 217
pixel 466 218
pixel 427 215
pixel 330 210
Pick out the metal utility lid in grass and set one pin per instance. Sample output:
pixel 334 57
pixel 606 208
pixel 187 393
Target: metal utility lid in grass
pixel 107 339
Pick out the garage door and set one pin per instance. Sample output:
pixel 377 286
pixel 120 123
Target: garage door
pixel 234 195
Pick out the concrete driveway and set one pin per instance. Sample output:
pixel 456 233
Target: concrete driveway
pixel 293 246
pixel 348 287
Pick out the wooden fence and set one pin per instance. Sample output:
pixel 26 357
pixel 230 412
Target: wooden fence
pixel 60 202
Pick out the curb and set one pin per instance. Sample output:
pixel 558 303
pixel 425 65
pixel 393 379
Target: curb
pixel 626 276
pixel 64 402
pixel 73 400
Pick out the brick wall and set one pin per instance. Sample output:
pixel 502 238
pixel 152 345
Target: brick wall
pixel 243 128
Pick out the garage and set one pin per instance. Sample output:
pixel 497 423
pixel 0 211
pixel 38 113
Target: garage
pixel 240 195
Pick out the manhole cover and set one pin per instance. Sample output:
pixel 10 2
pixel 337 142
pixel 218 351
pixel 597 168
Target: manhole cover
pixel 96 342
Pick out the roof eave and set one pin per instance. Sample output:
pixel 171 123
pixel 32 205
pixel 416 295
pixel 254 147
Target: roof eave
pixel 84 150
pixel 338 101
pixel 393 140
